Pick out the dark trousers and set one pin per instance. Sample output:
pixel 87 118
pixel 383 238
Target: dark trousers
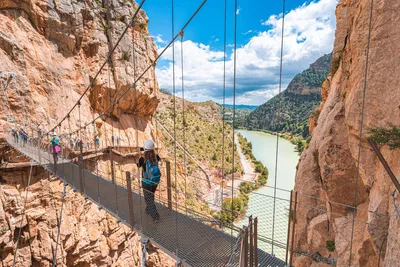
pixel 148 192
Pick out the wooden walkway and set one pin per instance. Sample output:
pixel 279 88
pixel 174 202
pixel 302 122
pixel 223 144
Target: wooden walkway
pixel 183 236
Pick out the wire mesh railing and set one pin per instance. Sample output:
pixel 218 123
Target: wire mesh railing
pixel 195 238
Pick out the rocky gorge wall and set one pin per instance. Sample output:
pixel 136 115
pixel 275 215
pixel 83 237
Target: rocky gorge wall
pixel 328 169
pixel 54 49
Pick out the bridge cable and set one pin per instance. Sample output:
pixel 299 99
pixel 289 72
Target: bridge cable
pixel 184 123
pixel 154 62
pixel 136 119
pixel 105 62
pixel 4 89
pixel 234 111
pixel 223 113
pixel 110 66
pixel 361 129
pixel 278 121
pixel 23 214
pixel 59 224
pixel 174 93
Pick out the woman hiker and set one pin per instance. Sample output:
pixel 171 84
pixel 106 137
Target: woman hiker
pixel 150 177
pixel 55 148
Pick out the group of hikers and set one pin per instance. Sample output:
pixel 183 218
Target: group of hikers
pixel 19 135
pixel 148 162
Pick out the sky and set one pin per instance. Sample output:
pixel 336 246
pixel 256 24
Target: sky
pixel 308 34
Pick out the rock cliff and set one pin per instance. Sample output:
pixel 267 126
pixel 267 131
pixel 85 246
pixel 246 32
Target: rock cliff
pixel 49 53
pixel 329 168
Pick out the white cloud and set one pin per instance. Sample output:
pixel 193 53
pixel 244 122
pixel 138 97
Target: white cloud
pixel 238 10
pixel 309 33
pixel 159 40
pixel 249 31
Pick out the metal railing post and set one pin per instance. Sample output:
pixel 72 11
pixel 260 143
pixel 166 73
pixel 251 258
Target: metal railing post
pixel 169 190
pixel 130 199
pixel 251 239
pixel 255 234
pixel 288 231
pixel 293 229
pixel 110 155
pixel 80 165
pixel 246 246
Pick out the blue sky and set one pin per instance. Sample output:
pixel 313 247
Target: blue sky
pixel 309 31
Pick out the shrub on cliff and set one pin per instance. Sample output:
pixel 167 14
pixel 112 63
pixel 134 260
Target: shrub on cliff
pixel 386 136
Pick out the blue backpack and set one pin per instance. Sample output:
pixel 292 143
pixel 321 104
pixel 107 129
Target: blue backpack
pixel 152 174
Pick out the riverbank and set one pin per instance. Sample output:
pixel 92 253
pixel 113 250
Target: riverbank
pixel 254 177
pixel 300 142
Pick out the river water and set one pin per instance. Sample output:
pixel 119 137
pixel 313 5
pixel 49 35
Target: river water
pixel 262 203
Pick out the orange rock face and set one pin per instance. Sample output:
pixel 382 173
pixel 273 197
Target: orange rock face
pixel 329 167
pixel 53 49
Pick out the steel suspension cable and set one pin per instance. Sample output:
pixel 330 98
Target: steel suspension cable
pixel 223 113
pixel 234 111
pixel 59 224
pixel 153 63
pixel 105 62
pixel 23 214
pixel 278 122
pixel 183 121
pixel 361 129
pixel 136 119
pixel 174 93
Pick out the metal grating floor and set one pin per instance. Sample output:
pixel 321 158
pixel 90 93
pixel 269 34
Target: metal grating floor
pixel 196 243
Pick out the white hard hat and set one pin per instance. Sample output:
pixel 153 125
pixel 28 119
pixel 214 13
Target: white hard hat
pixel 54 134
pixel 148 145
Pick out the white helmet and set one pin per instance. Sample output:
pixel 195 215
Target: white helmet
pixel 54 134
pixel 148 145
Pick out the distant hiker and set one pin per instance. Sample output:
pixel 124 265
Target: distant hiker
pixel 55 147
pixel 15 135
pixel 118 141
pixel 71 143
pixel 150 177
pixel 112 140
pixel 97 141
pixel 23 136
pixel 77 143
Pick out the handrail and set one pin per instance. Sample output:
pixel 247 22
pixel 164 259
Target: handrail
pixel 385 164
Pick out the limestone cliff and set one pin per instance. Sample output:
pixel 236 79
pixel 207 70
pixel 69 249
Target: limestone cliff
pixel 328 168
pixel 53 49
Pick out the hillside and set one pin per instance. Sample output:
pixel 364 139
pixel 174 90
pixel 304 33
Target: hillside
pixel 298 101
pixel 203 133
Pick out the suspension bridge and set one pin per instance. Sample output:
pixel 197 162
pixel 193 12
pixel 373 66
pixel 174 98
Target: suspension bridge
pixel 192 238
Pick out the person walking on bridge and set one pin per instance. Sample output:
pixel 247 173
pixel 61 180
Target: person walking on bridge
pixel 151 175
pixel 55 148
pixel 15 135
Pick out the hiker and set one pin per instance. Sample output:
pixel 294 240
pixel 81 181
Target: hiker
pixel 77 143
pixel 97 141
pixel 118 141
pixel 71 142
pixel 23 136
pixel 15 135
pixel 55 148
pixel 151 175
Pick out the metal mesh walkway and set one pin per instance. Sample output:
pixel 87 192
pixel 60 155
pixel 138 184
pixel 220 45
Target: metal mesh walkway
pixel 188 237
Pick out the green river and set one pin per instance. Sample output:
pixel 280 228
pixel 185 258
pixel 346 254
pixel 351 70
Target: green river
pixel 261 202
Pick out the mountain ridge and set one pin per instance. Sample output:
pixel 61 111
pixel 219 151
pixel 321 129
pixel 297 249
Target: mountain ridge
pixel 297 102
